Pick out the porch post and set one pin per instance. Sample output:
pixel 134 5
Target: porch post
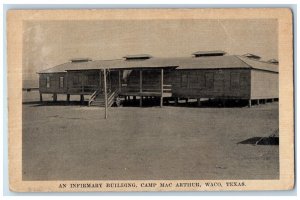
pixel 82 98
pixel 120 81
pixel 141 88
pixel 162 87
pixel 105 92
pixel 176 100
pixel 41 97
pixel 198 102
pixel 100 84
pixel 54 97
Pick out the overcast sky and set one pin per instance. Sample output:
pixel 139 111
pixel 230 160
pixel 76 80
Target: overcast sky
pixel 49 43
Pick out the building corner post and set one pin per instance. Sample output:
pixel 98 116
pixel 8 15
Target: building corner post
pixel 249 103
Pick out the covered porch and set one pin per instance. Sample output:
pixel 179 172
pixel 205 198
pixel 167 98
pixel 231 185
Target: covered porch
pixel 145 83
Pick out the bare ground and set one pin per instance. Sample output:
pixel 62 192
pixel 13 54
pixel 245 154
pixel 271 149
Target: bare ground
pixel 73 142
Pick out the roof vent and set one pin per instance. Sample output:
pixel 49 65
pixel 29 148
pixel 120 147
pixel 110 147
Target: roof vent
pixel 209 53
pixel 252 56
pixel 80 60
pixel 273 61
pixel 137 57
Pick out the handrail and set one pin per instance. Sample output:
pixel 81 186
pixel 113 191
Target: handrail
pixel 111 97
pixel 93 97
pixel 112 94
pixel 79 86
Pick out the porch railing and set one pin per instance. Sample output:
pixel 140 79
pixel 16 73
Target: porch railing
pixel 146 88
pixel 83 89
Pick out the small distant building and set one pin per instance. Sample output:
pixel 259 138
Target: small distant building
pixel 205 74
pixel 30 85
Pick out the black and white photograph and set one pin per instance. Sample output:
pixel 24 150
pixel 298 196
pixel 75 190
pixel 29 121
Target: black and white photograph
pixel 151 99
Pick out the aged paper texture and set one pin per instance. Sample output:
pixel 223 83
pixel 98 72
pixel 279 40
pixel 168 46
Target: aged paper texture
pixel 150 100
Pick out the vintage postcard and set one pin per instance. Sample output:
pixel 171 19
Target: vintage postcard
pixel 150 100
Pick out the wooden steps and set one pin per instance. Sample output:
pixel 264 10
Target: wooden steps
pixel 99 99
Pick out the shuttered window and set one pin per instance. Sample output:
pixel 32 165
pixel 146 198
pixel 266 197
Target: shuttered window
pixel 244 80
pixel 92 79
pixel 184 80
pixel 201 80
pixel 193 81
pixel 76 79
pixel 43 82
pixel 234 80
pixel 209 80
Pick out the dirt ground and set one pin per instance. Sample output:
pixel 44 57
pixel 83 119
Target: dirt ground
pixel 75 142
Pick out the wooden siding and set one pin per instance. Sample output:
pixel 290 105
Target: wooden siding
pixel 208 83
pixel 54 85
pixel 264 85
pixel 226 83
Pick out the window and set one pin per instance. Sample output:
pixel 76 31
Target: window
pixel 48 82
pixel 92 79
pixel 76 79
pixel 234 80
pixel 184 80
pixel 244 80
pixel 61 82
pixel 209 80
pixel 193 81
pixel 201 80
pixel 197 80
pixel 42 82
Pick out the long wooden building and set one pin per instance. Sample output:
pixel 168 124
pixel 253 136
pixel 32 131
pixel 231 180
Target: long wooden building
pixel 205 74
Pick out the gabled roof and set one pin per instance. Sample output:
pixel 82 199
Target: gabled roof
pixel 113 64
pixel 211 62
pixel 262 65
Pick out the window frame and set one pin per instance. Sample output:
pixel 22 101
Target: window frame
pixel 212 78
pixel 61 82
pixel 184 74
pixel 235 80
pixel 77 82
pixel 193 80
pixel 48 82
